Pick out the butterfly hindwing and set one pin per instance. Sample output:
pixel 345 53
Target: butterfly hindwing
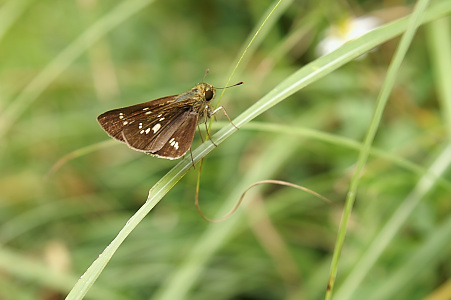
pixel 180 141
pixel 151 134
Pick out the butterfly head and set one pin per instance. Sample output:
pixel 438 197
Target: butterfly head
pixel 206 91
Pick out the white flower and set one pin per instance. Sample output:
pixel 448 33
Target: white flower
pixel 345 31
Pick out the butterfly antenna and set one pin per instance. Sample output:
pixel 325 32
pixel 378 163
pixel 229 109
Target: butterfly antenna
pixel 239 83
pixel 206 72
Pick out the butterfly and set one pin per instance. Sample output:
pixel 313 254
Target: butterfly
pixel 163 127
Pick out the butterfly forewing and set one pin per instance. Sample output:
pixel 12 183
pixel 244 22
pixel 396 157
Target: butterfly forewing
pixel 114 121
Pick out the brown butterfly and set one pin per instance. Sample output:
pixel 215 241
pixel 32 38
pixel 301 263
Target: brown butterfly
pixel 163 127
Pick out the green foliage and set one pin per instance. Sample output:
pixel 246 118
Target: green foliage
pixel 67 192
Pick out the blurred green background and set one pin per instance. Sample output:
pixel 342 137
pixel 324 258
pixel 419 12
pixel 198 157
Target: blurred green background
pixel 62 63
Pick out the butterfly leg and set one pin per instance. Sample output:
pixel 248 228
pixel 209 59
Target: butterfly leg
pixel 200 133
pixel 211 113
pixel 208 133
pixel 192 159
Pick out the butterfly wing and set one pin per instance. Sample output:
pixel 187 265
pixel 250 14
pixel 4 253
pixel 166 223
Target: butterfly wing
pixel 114 121
pixel 180 140
pixel 150 135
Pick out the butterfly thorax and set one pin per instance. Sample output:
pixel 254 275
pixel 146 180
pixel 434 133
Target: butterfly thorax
pixel 199 98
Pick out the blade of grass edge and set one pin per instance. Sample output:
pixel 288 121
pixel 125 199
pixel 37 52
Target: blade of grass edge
pixel 439 46
pixel 10 13
pixel 261 31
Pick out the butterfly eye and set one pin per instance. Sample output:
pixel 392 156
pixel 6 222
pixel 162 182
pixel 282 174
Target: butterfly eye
pixel 208 95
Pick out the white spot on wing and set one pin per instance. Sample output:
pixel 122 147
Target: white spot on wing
pixel 156 127
pixel 148 130
pixel 145 108
pixel 142 131
pixel 176 145
pixel 125 123
pixel 140 125
pixel 148 113
pixel 161 119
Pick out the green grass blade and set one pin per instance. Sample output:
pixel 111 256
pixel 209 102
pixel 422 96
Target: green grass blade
pixel 261 31
pixel 387 233
pixel 9 13
pixel 435 248
pixel 440 52
pixel 31 269
pixel 414 22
